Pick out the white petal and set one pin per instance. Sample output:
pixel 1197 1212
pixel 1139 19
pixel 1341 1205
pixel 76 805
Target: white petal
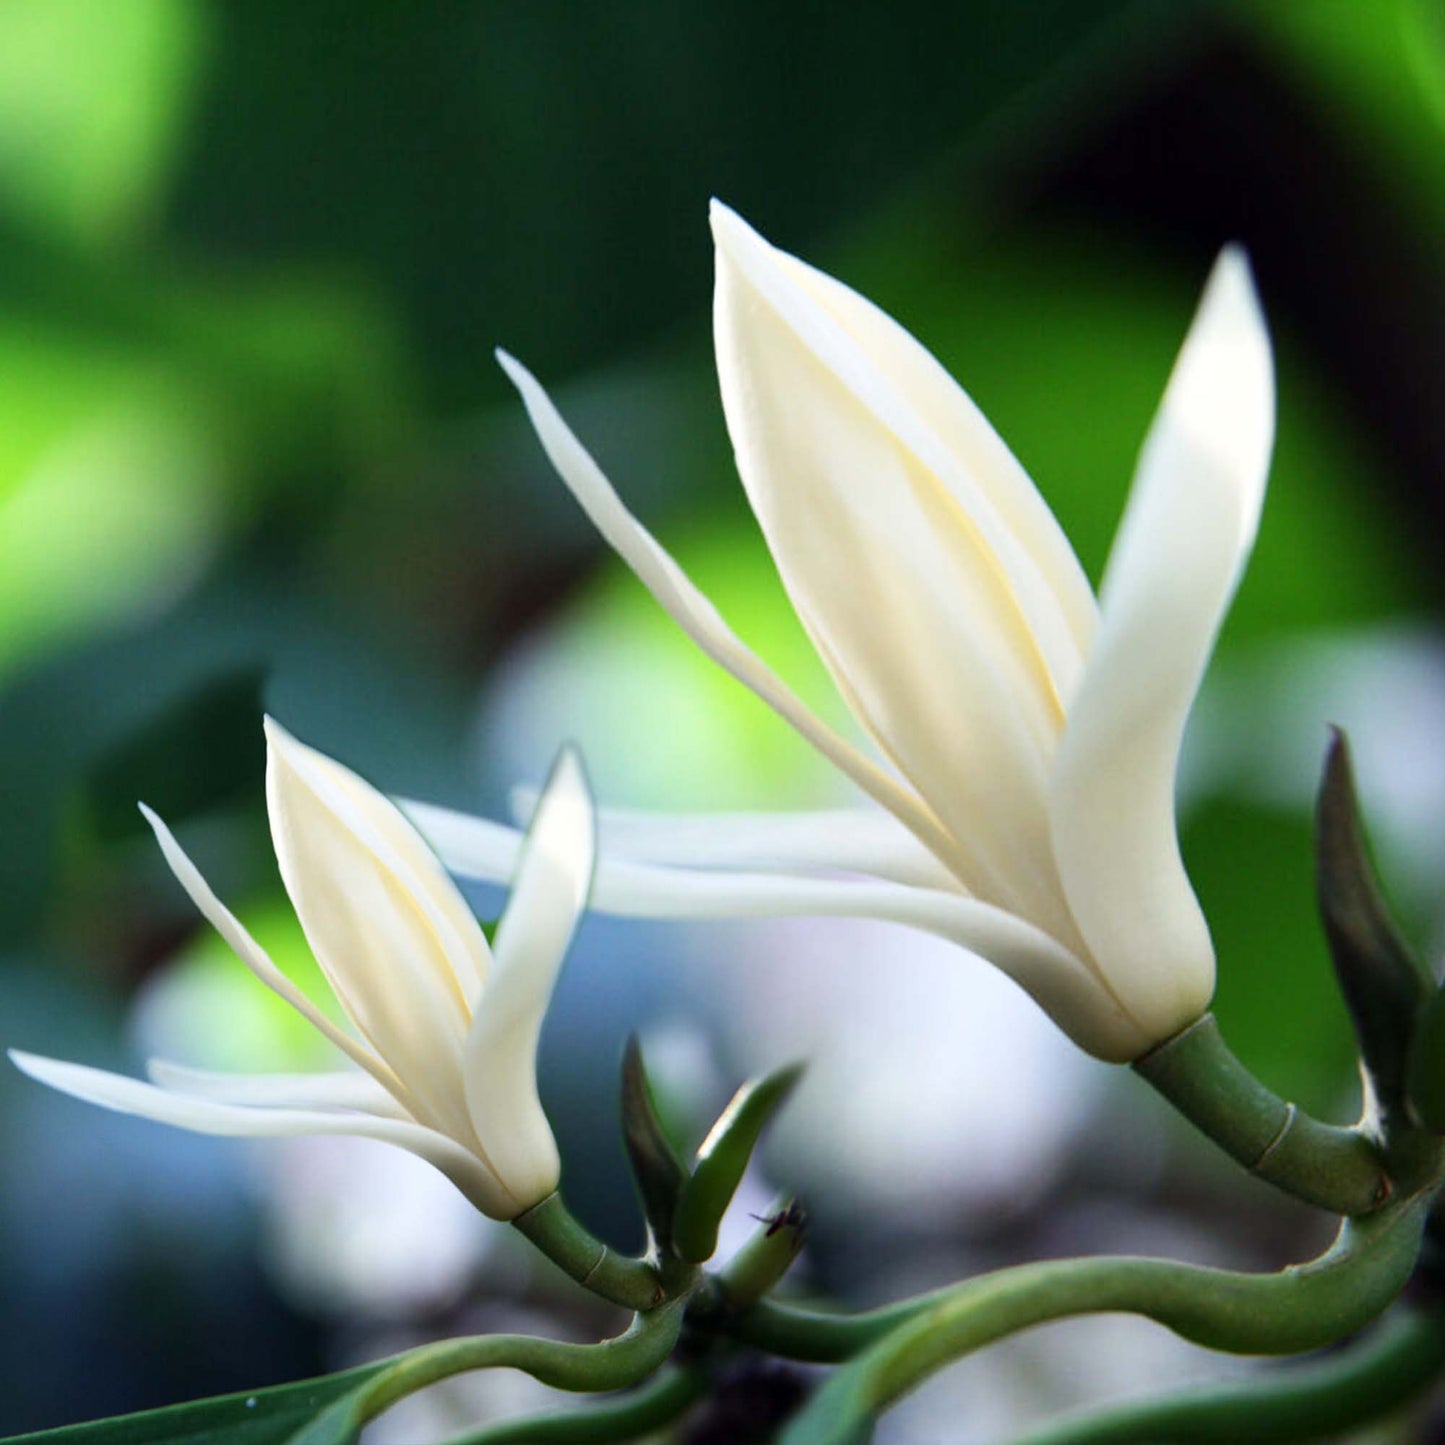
pixel 259 961
pixel 847 840
pixel 466 945
pixel 393 953
pixel 467 845
pixel 925 609
pixel 549 892
pixel 346 1090
pixel 1065 612
pixel 1185 537
pixel 1060 982
pixel 1066 987
pixel 206 1116
pixel 667 582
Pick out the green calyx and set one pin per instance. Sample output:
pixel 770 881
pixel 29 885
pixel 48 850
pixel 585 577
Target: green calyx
pixel 722 1159
pixel 1384 984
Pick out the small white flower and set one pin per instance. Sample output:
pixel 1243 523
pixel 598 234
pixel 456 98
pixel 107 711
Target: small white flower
pixel 446 1028
pixel 1030 734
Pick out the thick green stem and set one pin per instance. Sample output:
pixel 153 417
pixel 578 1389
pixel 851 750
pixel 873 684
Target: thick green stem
pixel 818 1337
pixel 632 1283
pixel 1301 1308
pixel 1316 1401
pixel 611 1365
pixel 655 1404
pixel 1335 1168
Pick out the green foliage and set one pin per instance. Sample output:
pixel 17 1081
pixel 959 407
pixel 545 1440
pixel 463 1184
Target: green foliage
pixel 255 1417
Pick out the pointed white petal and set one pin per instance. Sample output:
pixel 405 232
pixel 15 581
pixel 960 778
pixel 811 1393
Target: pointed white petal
pixel 549 892
pixel 466 949
pixel 1065 615
pixel 1186 534
pixel 1061 983
pixel 670 585
pixel 390 950
pixel 931 617
pixel 259 961
pixel 846 840
pixel 206 1116
pixel 346 1090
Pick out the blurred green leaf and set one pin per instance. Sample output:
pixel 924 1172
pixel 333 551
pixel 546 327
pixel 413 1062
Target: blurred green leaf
pixel 94 97
pixel 1276 1001
pixel 196 755
pixel 257 1417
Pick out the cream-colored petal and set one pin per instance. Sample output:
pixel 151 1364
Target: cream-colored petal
pixel 346 1090
pixel 469 846
pixel 1181 548
pixel 371 916
pixel 1067 613
pixel 466 944
pixel 549 892
pixel 696 615
pixel 207 1116
pixel 846 840
pixel 1063 985
pixel 908 596
pixel 259 961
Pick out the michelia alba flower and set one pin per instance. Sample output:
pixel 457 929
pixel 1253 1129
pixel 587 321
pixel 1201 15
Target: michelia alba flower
pixel 1029 734
pixel 445 1027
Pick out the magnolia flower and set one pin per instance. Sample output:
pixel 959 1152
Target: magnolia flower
pixel 1028 734
pixel 445 1027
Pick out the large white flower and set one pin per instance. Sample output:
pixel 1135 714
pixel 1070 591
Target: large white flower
pixel 446 1028
pixel 1029 735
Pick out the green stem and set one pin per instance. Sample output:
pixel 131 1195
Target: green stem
pixel 632 1283
pixel 611 1365
pixel 1301 1308
pixel 1316 1401
pixel 655 1404
pixel 1335 1168
pixel 819 1337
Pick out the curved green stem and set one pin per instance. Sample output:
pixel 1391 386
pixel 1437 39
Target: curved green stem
pixel 1335 1168
pixel 655 1404
pixel 819 1337
pixel 611 1365
pixel 1300 1308
pixel 572 1247
pixel 1316 1401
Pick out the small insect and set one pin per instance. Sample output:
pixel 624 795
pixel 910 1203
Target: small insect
pixel 791 1216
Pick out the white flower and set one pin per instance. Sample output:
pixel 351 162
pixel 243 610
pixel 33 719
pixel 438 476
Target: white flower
pixel 1030 735
pixel 446 1028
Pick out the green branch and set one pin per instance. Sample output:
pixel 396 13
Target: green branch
pixel 1335 1168
pixel 655 1404
pixel 632 1283
pixel 611 1365
pixel 1315 1401
pixel 1300 1308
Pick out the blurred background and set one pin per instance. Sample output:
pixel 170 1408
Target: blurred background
pixel 254 453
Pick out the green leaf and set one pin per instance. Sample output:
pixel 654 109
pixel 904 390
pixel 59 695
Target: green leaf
pixel 721 1160
pixel 255 1417
pixel 1383 984
pixel 659 1173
